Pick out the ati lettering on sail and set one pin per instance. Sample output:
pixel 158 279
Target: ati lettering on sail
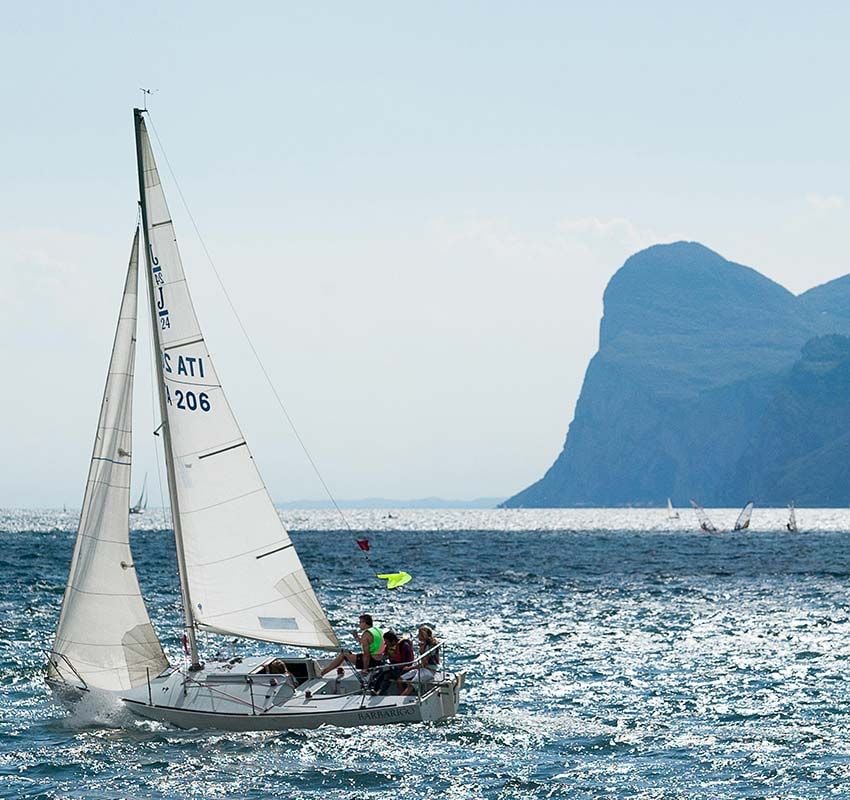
pixel 188 366
pixel 185 367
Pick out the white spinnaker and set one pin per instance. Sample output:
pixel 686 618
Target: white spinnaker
pixel 244 575
pixel 104 629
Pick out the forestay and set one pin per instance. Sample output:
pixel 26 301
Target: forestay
pixel 104 631
pixel 244 576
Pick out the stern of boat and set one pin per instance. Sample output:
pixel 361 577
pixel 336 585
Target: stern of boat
pixel 443 698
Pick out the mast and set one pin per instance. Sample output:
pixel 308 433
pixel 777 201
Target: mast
pixel 188 617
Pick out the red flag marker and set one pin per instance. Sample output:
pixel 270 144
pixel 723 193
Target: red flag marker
pixel 363 544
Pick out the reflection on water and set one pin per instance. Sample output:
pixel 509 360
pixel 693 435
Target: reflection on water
pixel 609 655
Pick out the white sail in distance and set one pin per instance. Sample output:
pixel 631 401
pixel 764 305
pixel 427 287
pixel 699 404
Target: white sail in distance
pixel 143 501
pixel 671 512
pixel 791 525
pixel 743 521
pixel 244 576
pixel 705 523
pixel 104 635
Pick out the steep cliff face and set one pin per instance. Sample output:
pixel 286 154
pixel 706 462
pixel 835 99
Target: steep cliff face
pixel 693 350
pixel 801 448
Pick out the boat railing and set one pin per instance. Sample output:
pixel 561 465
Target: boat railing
pixel 364 690
pixel 416 662
pixel 50 653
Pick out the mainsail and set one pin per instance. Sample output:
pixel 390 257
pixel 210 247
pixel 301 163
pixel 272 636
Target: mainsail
pixel 704 522
pixel 242 574
pixel 104 636
pixel 743 520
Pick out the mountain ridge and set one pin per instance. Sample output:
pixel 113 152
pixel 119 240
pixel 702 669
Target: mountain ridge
pixel 693 350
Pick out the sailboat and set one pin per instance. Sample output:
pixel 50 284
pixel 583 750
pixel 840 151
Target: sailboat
pixel 705 523
pixel 240 575
pixel 743 521
pixel 671 512
pixel 791 525
pixel 143 500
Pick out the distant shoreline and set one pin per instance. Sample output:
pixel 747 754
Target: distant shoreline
pixel 386 503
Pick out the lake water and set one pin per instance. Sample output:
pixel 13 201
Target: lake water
pixel 610 653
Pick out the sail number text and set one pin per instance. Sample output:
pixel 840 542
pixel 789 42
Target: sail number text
pixel 191 367
pixel 189 401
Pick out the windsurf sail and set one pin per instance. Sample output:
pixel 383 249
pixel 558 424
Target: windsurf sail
pixel 705 523
pixel 791 525
pixel 743 521
pixel 671 512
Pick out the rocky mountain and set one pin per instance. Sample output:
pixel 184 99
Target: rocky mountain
pixel 704 384
pixel 801 448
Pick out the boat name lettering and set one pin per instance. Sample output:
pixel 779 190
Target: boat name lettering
pixel 192 366
pixel 386 713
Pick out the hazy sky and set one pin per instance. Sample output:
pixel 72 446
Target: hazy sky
pixel 415 207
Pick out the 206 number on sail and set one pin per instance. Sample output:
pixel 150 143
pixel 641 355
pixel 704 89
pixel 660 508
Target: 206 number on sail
pixel 190 401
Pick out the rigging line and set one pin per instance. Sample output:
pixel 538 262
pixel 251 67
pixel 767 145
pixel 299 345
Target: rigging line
pixel 251 343
pixel 166 515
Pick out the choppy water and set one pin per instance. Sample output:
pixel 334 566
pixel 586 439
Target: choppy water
pixel 610 654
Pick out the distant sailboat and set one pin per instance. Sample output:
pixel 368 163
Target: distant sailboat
pixel 743 521
pixel 705 523
pixel 791 525
pixel 143 500
pixel 671 512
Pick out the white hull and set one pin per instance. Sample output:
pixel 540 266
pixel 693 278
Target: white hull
pixel 241 696
pixel 438 704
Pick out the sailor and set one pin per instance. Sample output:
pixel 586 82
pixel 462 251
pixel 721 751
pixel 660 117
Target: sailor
pixel 399 654
pixel 425 668
pixel 371 641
